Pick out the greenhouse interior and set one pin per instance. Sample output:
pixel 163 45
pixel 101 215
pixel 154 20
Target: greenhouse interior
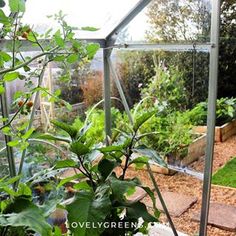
pixel 118 118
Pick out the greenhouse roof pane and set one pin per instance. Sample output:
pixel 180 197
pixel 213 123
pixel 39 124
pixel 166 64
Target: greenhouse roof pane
pixel 170 21
pixel 102 14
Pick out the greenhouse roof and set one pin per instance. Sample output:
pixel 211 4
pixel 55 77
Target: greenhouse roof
pixel 104 15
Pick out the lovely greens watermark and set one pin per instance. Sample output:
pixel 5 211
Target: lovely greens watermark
pixel 107 225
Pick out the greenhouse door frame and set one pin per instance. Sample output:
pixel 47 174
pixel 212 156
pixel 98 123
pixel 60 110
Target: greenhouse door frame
pixel 213 48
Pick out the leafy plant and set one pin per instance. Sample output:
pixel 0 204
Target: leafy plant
pixel 96 131
pixel 171 134
pixel 101 194
pixel 225 112
pixel 166 87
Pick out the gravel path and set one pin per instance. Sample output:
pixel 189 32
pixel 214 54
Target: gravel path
pixel 188 185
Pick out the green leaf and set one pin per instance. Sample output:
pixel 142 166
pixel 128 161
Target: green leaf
pixel 79 148
pixel 110 149
pixel 3 18
pixel 139 162
pixel 59 58
pixel 11 76
pixel 13 143
pixel 65 164
pixel 153 155
pixel 137 210
pixel 26 68
pixel 89 28
pixel 57 93
pixel 17 5
pixel 82 186
pixel 18 94
pixel 59 40
pixel 28 134
pixel 2 90
pixel 72 58
pixel 6 57
pixel 93 208
pixel 105 167
pixel 92 49
pixel 68 128
pixel 23 189
pixel 54 138
pixel 23 213
pixel 120 187
pixel 142 119
pixel 69 179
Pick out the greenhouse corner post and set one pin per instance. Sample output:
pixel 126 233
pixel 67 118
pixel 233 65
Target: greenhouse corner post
pixel 107 92
pixel 212 96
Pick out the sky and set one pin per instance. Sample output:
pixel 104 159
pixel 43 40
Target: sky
pixel 103 14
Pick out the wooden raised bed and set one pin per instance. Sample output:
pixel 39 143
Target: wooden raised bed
pixel 222 133
pixel 195 150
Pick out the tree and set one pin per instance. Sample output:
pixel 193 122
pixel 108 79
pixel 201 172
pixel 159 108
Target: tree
pixel 174 21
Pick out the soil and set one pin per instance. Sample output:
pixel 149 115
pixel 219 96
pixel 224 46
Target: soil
pixel 189 185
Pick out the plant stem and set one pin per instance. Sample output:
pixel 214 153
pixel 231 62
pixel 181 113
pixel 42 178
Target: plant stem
pixel 128 155
pixel 10 155
pixel 88 174
pixel 31 119
pixel 4 71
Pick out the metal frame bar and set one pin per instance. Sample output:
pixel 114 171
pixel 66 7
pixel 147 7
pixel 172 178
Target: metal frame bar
pixel 166 46
pixel 126 20
pixel 116 79
pixel 212 96
pixel 107 92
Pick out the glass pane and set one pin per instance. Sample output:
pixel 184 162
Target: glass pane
pixel 137 69
pixel 170 21
pixel 102 14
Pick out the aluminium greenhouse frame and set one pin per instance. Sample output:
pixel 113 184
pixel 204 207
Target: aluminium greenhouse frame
pixel 108 43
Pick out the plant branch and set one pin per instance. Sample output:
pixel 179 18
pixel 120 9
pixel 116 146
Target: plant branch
pixel 88 174
pixel 28 62
pixel 128 155
pixel 14 116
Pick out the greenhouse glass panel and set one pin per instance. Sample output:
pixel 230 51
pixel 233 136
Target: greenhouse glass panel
pixel 172 21
pixel 103 15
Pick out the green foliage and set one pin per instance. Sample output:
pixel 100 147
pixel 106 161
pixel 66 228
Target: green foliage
pixel 135 69
pixel 173 133
pixel 96 133
pixel 102 195
pixel 225 112
pixel 166 87
pixel 17 5
pixel 226 176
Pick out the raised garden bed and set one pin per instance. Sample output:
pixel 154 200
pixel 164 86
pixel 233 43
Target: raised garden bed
pixel 195 150
pixel 222 133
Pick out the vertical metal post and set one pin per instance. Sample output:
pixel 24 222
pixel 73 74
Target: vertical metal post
pixel 211 115
pixel 10 154
pixel 107 92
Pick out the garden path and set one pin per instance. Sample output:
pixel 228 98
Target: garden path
pixel 191 186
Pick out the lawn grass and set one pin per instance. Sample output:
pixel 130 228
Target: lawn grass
pixel 226 176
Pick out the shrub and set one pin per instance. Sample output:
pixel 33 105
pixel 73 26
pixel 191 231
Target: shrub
pixel 167 87
pixel 93 88
pixel 225 112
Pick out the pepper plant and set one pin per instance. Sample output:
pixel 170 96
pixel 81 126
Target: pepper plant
pixel 103 188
